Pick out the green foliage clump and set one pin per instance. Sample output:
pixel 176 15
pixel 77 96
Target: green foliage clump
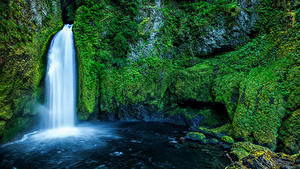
pixel 227 139
pixel 290 132
pixel 197 136
pixel 218 132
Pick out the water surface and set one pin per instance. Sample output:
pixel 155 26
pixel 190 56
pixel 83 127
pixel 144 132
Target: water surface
pixel 110 145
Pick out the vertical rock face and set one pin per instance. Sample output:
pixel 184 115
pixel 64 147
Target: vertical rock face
pixel 223 28
pixel 153 18
pixel 164 57
pixel 25 31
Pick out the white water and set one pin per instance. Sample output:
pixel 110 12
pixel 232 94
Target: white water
pixel 61 80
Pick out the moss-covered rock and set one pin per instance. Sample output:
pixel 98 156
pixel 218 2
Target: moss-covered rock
pixel 290 133
pixel 261 159
pixel 137 59
pixel 193 83
pixel 243 149
pixel 218 132
pixel 213 141
pixel 227 139
pixel 26 30
pixel 197 136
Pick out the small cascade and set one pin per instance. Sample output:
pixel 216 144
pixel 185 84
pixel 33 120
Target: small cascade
pixel 61 80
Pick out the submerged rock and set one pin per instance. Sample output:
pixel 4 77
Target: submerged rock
pixel 213 141
pixel 197 136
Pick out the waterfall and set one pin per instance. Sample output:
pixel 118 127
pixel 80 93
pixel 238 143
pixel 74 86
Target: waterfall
pixel 61 80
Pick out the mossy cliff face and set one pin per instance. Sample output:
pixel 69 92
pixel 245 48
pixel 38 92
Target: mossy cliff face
pixel 110 34
pixel 26 29
pixel 201 63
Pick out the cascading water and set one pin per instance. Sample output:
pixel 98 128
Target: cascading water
pixel 61 81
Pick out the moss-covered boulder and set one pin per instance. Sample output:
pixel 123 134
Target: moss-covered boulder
pixel 197 136
pixel 261 159
pixel 243 149
pixel 217 132
pixel 227 139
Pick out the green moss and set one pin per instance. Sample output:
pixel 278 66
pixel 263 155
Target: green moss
pixel 214 141
pixel 252 82
pixel 243 149
pixel 2 126
pixel 217 132
pixel 24 44
pixel 103 33
pixel 6 113
pixel 197 136
pixel 265 159
pixel 208 117
pixel 290 133
pixel 143 82
pixel 193 83
pixel 227 139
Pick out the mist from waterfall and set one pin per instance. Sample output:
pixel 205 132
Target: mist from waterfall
pixel 61 80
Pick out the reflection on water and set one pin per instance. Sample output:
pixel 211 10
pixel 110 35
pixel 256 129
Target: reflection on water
pixel 109 145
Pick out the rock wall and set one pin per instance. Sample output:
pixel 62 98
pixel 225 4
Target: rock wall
pixel 25 31
pixel 199 63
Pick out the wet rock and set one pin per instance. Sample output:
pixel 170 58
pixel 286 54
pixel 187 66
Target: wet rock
pixel 240 150
pixel 213 141
pixel 197 136
pixel 227 139
pixel 262 159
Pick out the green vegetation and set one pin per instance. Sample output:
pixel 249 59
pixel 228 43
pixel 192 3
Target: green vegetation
pixel 227 139
pixel 103 33
pixel 24 44
pixel 198 61
pixel 197 136
pixel 256 81
pixel 243 149
pixel 252 156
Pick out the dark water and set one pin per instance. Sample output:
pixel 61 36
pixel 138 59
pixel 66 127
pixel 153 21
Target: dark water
pixel 110 145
